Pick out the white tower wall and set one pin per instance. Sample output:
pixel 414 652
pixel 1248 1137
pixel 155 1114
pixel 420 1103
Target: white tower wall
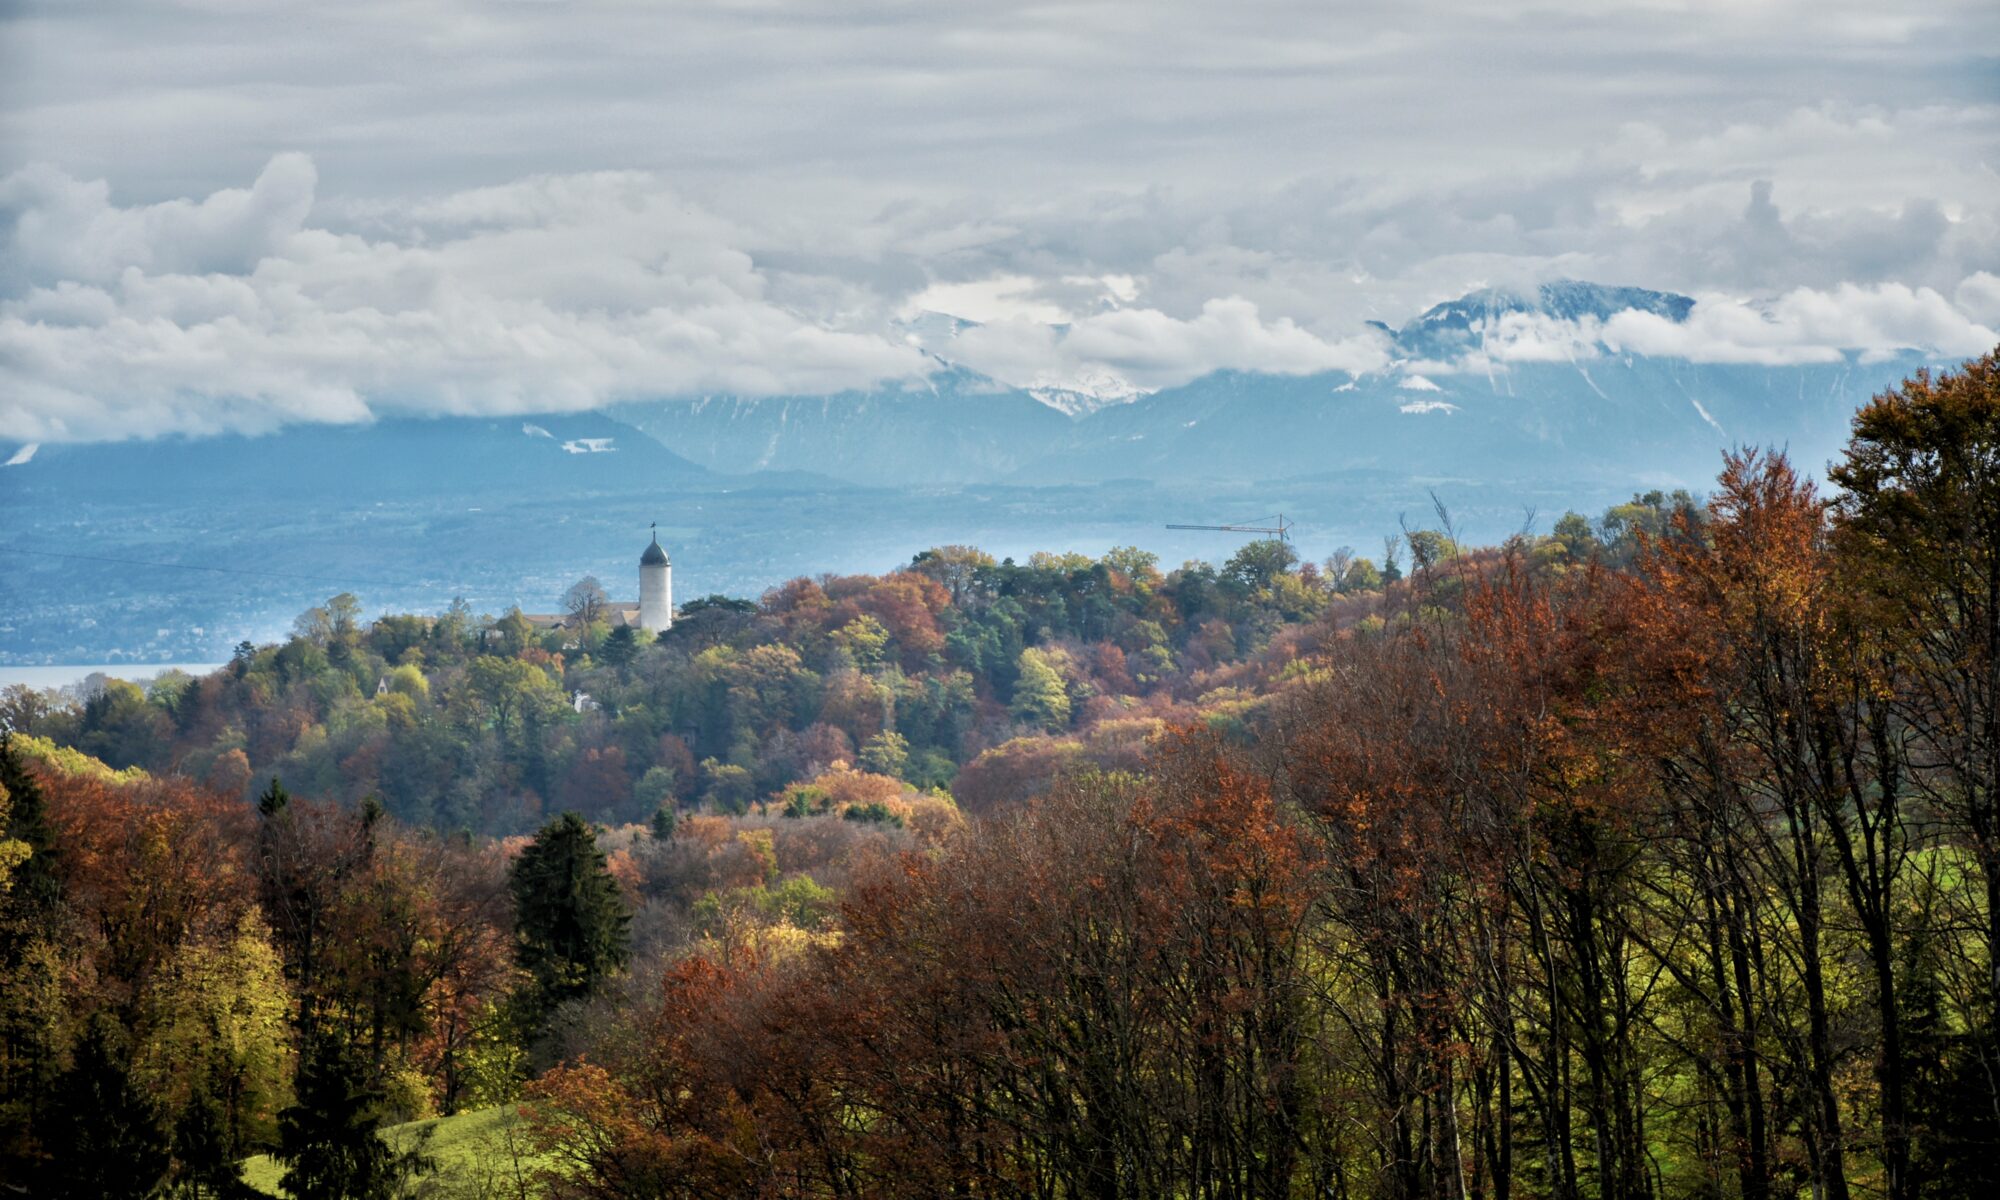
pixel 656 597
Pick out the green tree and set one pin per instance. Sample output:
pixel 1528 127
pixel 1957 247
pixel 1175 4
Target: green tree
pixel 1572 531
pixel 621 647
pixel 330 1141
pixel 507 687
pixel 1428 548
pixel 24 826
pixel 515 630
pixel 1040 697
pixel 958 568
pixel 570 922
pixel 215 1047
pixel 887 753
pixel 656 789
pixel 1360 576
pixel 1139 566
pixel 864 638
pixel 1258 563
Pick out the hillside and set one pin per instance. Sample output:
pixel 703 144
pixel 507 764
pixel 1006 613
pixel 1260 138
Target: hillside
pixel 980 876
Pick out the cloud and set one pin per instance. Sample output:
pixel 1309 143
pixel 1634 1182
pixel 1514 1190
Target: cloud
pixel 1805 325
pixel 1150 349
pixel 66 229
pixel 211 221
pixel 248 308
pixel 233 312
pixel 1978 296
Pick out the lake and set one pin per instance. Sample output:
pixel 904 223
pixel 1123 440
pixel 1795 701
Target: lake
pixel 65 676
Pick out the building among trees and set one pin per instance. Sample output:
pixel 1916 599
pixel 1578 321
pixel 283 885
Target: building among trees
pixel 585 602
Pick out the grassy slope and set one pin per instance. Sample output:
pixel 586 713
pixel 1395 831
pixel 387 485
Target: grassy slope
pixel 474 1152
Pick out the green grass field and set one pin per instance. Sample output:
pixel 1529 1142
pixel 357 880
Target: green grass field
pixel 479 1155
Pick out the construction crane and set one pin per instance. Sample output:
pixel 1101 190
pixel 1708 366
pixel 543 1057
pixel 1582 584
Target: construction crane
pixel 1278 527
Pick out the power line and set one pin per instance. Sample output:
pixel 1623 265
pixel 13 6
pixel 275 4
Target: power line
pixel 131 562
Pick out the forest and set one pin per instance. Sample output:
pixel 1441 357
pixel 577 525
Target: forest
pixel 1656 855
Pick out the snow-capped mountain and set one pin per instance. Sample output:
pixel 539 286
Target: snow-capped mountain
pixel 1448 405
pixel 1445 407
pixel 1084 393
pixel 1447 331
pixel 1073 394
pixel 953 427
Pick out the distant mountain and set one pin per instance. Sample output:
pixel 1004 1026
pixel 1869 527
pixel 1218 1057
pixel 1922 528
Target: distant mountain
pixel 1601 421
pixel 1598 418
pixel 957 426
pixel 1447 331
pixel 174 549
pixel 1073 395
pixel 1439 411
pixel 1082 396
pixel 577 454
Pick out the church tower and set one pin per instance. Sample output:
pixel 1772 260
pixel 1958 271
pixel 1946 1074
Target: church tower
pixel 656 588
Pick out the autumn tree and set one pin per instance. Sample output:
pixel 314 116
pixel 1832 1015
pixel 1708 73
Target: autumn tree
pixel 1920 516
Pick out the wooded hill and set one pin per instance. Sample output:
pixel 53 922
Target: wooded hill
pixel 1655 857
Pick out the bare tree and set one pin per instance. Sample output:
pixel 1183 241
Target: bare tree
pixel 585 600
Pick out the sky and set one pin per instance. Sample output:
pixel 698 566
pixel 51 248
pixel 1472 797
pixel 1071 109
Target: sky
pixel 227 215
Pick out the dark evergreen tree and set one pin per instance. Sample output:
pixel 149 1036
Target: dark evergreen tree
pixel 330 1141
pixel 620 647
pixel 208 1149
pixel 664 820
pixel 102 1133
pixel 569 920
pixel 273 800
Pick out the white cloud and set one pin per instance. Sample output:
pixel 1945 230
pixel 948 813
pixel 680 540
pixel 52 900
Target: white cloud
pixel 1978 296
pixel 1805 325
pixel 1150 349
pixel 1000 298
pixel 66 229
pixel 234 313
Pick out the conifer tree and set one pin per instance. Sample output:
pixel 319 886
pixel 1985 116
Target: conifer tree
pixel 621 647
pixel 330 1141
pixel 104 1133
pixel 570 922
pixel 273 800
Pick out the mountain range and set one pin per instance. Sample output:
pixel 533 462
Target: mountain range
pixel 114 549
pixel 1599 417
pixel 1441 408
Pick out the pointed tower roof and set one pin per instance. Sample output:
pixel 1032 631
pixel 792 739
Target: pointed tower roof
pixel 654 555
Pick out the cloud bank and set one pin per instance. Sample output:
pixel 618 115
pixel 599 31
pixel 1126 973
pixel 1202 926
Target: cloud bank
pixel 217 214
